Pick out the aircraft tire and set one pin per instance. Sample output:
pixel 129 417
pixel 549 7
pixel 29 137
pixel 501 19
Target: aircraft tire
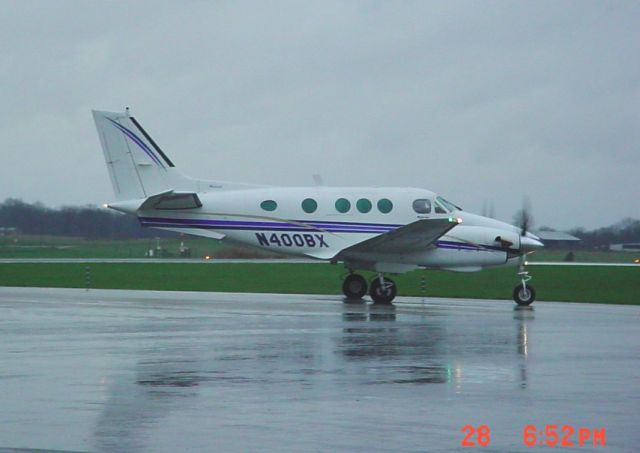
pixel 524 296
pixel 354 286
pixel 382 295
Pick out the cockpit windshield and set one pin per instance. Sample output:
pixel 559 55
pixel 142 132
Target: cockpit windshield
pixel 447 205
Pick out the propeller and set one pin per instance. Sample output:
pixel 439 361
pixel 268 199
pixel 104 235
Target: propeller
pixel 528 243
pixel 523 217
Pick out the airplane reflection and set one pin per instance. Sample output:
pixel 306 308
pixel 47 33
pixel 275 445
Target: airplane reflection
pixel 435 351
pixel 372 334
pixel 164 378
pixel 130 410
pixel 523 316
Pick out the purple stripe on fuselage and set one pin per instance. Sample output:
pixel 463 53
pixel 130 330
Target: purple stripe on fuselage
pixel 253 228
pixel 225 222
pixel 467 246
pixel 138 142
pixel 457 247
pixel 266 225
pixel 297 223
pixel 444 244
pixel 381 225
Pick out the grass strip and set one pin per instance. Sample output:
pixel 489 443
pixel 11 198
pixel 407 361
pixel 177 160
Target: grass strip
pixel 571 284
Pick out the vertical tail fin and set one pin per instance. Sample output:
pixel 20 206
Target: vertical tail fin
pixel 137 166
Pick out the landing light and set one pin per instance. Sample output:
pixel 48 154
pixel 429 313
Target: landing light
pixel 455 220
pixel 207 257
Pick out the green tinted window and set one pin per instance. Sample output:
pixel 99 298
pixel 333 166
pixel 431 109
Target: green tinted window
pixel 343 205
pixel 309 205
pixel 385 206
pixel 269 205
pixel 363 205
pixel 447 204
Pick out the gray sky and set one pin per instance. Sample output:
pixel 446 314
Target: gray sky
pixel 475 100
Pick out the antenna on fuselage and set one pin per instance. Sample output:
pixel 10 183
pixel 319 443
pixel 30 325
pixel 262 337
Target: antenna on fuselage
pixel 317 179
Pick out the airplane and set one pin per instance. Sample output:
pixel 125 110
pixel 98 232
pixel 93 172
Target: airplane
pixel 387 230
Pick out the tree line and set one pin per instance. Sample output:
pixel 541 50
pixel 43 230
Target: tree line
pixel 88 222
pixel 625 231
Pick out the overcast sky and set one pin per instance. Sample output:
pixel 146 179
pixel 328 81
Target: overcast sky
pixel 476 100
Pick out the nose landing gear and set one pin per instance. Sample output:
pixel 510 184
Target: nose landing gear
pixel 524 294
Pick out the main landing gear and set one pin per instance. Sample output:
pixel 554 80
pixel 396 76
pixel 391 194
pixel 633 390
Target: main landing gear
pixel 354 286
pixel 382 290
pixel 524 294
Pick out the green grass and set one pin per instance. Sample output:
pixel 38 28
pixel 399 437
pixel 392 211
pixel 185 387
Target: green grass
pixel 618 285
pixel 585 256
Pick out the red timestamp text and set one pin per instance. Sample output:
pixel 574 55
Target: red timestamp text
pixel 476 436
pixel 563 436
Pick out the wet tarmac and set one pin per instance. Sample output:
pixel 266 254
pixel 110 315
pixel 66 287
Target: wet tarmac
pixel 176 371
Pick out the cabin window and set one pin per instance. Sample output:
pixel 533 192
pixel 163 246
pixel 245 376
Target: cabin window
pixel 309 205
pixel 439 208
pixel 422 206
pixel 385 205
pixel 363 205
pixel 269 205
pixel 343 205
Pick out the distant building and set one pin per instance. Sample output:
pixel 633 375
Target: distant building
pixel 8 231
pixel 557 239
pixel 628 247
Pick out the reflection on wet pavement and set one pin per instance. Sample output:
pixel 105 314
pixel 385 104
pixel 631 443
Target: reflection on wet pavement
pixel 149 371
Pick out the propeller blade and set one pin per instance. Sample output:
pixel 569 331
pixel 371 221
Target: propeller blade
pixel 526 220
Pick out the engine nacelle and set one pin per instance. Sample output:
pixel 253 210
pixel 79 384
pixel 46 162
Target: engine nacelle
pixel 487 236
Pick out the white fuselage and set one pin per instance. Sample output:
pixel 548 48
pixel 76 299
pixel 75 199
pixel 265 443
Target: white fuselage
pixel 279 219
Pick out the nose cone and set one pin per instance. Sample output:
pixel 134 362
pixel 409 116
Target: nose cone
pixel 529 243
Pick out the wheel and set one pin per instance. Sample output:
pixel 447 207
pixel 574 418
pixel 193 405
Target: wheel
pixel 524 295
pixel 382 294
pixel 354 286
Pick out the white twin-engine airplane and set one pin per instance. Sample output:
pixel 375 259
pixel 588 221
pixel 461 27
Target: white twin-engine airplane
pixel 383 229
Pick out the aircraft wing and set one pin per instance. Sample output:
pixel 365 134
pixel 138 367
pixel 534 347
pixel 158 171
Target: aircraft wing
pixel 169 200
pixel 408 238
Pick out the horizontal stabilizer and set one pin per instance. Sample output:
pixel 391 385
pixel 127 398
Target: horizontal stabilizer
pixel 168 201
pixel 172 200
